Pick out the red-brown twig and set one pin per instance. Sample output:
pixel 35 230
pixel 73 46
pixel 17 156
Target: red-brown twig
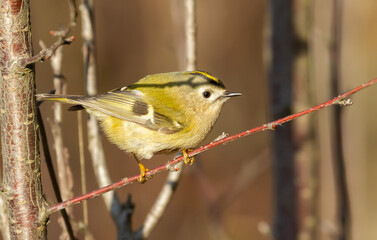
pixel 170 165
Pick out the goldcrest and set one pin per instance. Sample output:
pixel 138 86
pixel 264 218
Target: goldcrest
pixel 161 113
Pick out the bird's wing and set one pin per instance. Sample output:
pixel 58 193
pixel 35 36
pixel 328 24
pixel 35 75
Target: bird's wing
pixel 130 105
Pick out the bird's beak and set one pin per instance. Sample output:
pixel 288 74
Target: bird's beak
pixel 231 94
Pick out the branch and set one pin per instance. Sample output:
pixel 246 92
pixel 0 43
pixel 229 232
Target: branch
pixel 305 135
pixel 63 39
pixel 160 204
pixel 169 165
pixel 94 134
pixel 281 88
pixel 22 186
pixel 191 29
pixel 217 203
pixel 82 169
pixel 62 156
pixel 343 211
pixel 53 178
pixel 46 53
pixel 248 172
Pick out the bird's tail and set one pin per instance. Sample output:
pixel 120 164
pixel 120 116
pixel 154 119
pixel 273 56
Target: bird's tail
pixel 69 99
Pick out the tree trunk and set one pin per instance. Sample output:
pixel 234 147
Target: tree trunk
pixel 281 74
pixel 19 129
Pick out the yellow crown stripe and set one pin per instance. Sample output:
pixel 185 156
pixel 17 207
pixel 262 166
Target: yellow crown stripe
pixel 206 75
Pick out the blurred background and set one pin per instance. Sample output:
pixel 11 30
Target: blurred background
pixel 228 193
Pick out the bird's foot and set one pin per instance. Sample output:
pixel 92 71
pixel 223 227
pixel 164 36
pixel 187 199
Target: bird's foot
pixel 186 159
pixel 143 170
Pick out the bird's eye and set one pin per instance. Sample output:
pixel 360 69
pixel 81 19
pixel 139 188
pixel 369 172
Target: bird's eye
pixel 206 94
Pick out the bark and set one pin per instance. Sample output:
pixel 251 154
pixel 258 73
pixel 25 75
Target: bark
pixel 281 74
pixel 22 187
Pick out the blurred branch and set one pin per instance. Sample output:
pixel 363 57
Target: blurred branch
pixel 122 215
pixel 280 91
pixel 177 11
pixel 305 137
pixel 72 20
pixel 64 170
pixel 81 226
pixel 63 39
pixel 343 207
pixel 159 207
pixel 247 173
pixel 218 203
pixel 190 33
pixel 94 135
pixel 82 170
pixel 341 100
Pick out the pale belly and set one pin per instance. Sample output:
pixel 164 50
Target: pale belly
pixel 144 142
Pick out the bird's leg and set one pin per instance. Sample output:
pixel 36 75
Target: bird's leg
pixel 188 160
pixel 143 170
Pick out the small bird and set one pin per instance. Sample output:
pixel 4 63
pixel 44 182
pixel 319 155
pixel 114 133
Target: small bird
pixel 161 113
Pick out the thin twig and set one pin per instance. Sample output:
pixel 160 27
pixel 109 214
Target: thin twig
pixel 168 166
pixel 46 53
pixel 50 168
pixel 63 39
pixel 72 16
pixel 82 168
pixel 191 29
